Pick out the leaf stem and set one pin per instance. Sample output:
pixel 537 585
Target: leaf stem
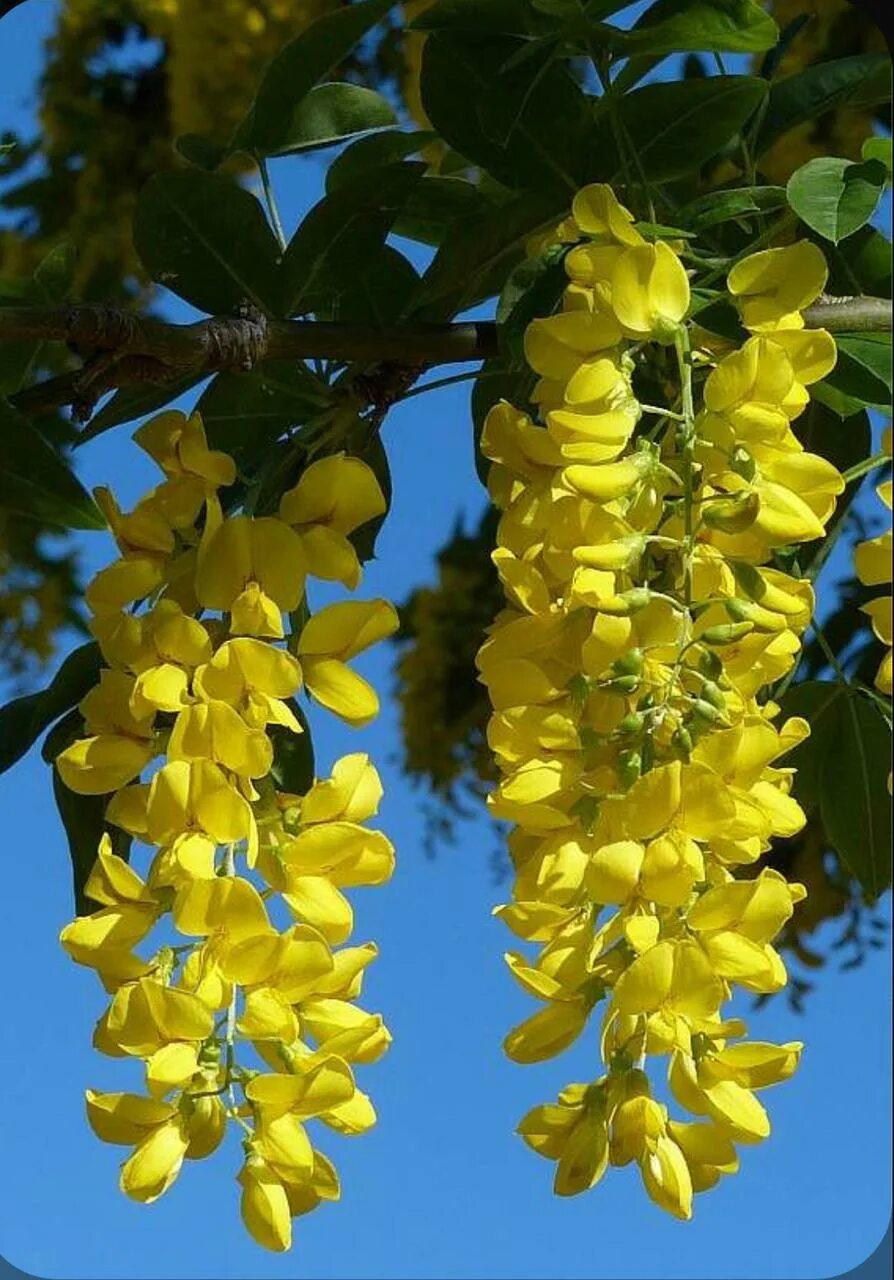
pixel 270 201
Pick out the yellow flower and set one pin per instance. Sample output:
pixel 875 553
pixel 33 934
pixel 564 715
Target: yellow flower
pixel 329 640
pixel 774 286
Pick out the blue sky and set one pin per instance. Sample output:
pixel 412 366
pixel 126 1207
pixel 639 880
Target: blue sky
pixel 441 1187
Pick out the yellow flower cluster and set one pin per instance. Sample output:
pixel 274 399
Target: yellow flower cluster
pixel 200 676
pixel 639 761
pixel 873 564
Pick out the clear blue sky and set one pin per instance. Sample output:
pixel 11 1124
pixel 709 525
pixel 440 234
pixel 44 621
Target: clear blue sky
pixel 441 1188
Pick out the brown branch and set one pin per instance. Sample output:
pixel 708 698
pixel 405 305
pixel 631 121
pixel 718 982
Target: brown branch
pixel 120 348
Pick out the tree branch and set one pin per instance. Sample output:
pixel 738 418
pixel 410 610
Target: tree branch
pixel 119 348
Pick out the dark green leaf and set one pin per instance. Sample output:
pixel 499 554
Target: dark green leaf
pixel 674 128
pixel 862 375
pixel 836 197
pixel 474 261
pixel 436 204
pixel 341 233
pixel 863 79
pixel 23 720
pixel 861 264
pixel 508 17
pixel 83 819
pixel 293 755
pixel 201 152
pixel 708 26
pixel 843 769
pixel 54 275
pixel 381 291
pixel 532 290
pixel 723 206
pixel 130 403
pixel 200 235
pixel 298 67
pixel 244 413
pixel 844 444
pixel 369 154
pixel 878 149
pixel 36 481
pixel 507 120
pixel 332 112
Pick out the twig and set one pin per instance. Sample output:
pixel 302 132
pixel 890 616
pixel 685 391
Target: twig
pixel 120 348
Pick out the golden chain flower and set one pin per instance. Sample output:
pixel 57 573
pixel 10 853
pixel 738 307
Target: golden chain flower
pixel 638 753
pixel 252 1020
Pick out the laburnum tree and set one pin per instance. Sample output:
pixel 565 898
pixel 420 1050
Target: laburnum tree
pixel 678 413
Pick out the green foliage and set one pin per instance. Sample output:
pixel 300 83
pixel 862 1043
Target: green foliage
pixel 502 116
pixel 836 197
pixel 861 80
pixel 36 481
pixel 23 720
pixel 293 754
pixel 204 238
pixel 297 68
pixel 842 769
pixel 332 112
pixel 344 231
pixel 709 26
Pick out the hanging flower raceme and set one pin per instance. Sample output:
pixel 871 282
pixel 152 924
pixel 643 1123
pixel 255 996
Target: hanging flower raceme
pixel 873 564
pixel 243 1008
pixel 640 761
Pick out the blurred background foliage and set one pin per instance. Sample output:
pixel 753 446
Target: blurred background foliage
pixel 121 82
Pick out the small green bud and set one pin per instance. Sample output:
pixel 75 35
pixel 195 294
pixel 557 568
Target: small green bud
pixel 742 463
pixel 726 633
pixel 630 768
pixel 682 740
pixel 713 694
pixel 706 711
pixel 709 665
pixel 631 724
pixel 629 664
pixel 621 684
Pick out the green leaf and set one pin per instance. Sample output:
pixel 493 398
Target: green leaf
pixel 861 264
pixel 381 291
pixel 474 261
pixel 36 481
pixel 298 67
pixel 878 149
pixel 200 235
pixel 199 151
pixel 50 284
pixel 821 431
pixel 54 274
pixel 130 403
pixel 723 206
pixel 675 127
pixel 505 120
pixel 842 769
pixel 341 233
pixel 864 79
pixel 508 17
pixel 332 112
pixel 862 374
pixel 293 754
pixel 244 413
pixel 700 26
pixel 83 819
pixel 836 197
pixel 532 290
pixel 23 720
pixel 368 154
pixel 436 204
